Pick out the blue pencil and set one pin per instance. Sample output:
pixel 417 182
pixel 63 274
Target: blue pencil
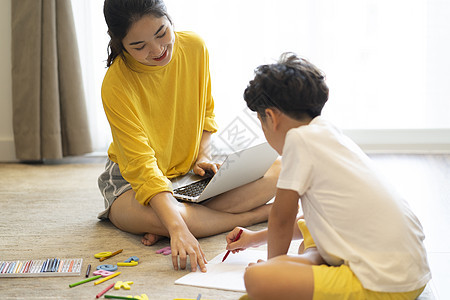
pixel 44 265
pixel 49 262
pixel 11 267
pixel 8 267
pixel 54 264
pixel 5 267
pixel 49 265
pixel 57 265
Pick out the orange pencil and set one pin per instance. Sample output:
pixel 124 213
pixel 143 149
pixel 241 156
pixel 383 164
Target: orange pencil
pixel 70 266
pixel 111 255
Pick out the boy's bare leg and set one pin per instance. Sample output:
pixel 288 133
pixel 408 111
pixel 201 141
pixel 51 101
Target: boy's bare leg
pixel 282 277
pixel 249 196
pixel 130 216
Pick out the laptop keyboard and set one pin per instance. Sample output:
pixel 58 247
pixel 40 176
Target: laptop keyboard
pixel 193 189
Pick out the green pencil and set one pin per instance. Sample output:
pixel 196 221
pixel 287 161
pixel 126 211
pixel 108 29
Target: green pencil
pixel 120 297
pixel 84 281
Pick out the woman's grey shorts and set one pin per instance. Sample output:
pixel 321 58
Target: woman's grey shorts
pixel 111 185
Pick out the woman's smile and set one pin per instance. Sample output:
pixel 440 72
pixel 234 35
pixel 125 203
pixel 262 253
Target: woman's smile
pixel 162 56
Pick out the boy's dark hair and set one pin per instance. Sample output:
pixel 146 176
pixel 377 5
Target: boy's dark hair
pixel 292 85
pixel 120 15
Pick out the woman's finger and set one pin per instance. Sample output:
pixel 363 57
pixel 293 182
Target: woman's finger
pixel 183 259
pixel 175 259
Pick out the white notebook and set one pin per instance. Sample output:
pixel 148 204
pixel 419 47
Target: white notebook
pixel 227 275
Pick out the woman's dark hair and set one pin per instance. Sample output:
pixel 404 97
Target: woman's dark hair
pixel 120 15
pixel 293 85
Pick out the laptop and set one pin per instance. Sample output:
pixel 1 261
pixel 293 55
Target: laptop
pixel 238 168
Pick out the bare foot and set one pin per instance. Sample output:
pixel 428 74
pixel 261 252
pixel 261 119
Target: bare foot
pixel 150 239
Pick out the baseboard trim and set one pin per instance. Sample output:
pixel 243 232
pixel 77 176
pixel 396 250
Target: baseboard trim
pixel 416 141
pixel 402 140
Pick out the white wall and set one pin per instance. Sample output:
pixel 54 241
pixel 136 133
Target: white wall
pixel 399 141
pixel 7 152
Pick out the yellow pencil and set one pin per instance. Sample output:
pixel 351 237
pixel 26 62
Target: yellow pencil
pixel 18 267
pixel 125 264
pixel 107 278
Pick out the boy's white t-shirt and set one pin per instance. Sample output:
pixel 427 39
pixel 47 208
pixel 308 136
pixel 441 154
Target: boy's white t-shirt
pixel 354 215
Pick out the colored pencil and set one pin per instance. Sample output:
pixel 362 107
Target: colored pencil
pixel 235 239
pixel 111 255
pixel 49 265
pixel 25 267
pixel 88 270
pixel 61 264
pixel 77 267
pixel 34 263
pixel 43 266
pixel 11 268
pixel 119 297
pixel 31 266
pixel 84 281
pixel 57 265
pixel 70 266
pixel 55 261
pixel 105 290
pixel 18 267
pixel 5 268
pixel 107 278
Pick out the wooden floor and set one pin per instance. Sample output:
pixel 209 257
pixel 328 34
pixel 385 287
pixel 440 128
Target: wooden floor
pixel 50 210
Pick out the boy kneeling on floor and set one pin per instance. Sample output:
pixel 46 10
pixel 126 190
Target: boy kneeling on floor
pixel 361 239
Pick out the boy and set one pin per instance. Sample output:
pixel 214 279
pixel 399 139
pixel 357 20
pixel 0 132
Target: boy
pixel 362 239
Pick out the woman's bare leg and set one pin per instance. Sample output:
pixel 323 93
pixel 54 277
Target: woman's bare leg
pixel 130 216
pixel 249 196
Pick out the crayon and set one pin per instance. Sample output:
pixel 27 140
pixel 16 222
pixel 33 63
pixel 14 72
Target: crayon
pixel 106 278
pixel 70 266
pixel 61 264
pixel 57 265
pixel 119 297
pixel 88 270
pixel 11 268
pixel 111 255
pixel 84 281
pixel 18 267
pixel 43 266
pixel 105 290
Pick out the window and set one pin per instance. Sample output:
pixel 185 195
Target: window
pixel 386 62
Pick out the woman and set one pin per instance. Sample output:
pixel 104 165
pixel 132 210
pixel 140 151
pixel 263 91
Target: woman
pixel 157 98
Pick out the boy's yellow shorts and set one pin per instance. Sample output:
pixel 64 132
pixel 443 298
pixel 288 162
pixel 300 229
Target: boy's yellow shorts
pixel 341 283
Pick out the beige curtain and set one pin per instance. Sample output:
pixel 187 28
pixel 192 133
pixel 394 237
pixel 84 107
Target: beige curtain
pixel 49 110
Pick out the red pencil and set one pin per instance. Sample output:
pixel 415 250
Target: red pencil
pixel 105 290
pixel 235 239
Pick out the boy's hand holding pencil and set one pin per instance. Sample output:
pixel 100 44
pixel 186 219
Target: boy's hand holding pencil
pixel 246 239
